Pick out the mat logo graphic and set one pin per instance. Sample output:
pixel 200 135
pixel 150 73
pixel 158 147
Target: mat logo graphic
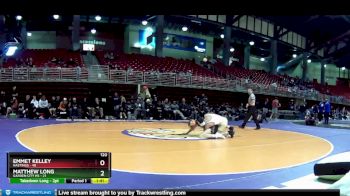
pixel 8 192
pixel 166 134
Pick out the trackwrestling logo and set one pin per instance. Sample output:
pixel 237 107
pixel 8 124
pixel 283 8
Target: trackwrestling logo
pixel 165 134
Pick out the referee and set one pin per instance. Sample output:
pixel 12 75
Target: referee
pixel 251 110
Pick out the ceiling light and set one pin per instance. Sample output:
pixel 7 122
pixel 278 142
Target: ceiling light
pixel 98 18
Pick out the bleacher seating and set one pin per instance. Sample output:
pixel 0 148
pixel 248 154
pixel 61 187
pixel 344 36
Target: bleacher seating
pixel 140 62
pixel 256 76
pixel 148 63
pixel 42 57
pixel 262 77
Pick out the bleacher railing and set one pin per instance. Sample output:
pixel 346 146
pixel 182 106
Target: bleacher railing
pixel 160 79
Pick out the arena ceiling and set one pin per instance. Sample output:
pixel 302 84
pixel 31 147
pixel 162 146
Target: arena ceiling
pixel 330 32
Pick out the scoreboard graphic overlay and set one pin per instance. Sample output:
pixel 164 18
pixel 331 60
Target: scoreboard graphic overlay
pixel 59 168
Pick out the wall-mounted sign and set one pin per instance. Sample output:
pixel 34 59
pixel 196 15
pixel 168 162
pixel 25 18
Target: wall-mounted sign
pixel 88 47
pixel 181 42
pixel 147 40
pixel 95 42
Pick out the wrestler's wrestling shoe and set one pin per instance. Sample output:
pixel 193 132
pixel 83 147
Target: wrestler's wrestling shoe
pixel 231 132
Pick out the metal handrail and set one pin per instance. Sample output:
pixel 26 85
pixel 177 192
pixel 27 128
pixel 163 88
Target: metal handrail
pixel 156 78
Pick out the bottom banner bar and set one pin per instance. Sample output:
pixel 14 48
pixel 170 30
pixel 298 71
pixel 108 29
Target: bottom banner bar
pixel 279 192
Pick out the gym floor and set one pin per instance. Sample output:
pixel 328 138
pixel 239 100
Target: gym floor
pixel 280 155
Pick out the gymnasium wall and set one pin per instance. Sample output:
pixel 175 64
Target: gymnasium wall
pixel 42 40
pixel 313 70
pixel 107 41
pixel 54 40
pixel 297 71
pixel 256 64
pixel 331 73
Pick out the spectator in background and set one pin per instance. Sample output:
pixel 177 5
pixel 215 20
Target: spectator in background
pixel 30 62
pixel 13 108
pixel 34 106
pixel 3 102
pixel 58 101
pixel 167 109
pixel 145 93
pixel 184 108
pixel 34 101
pixel 98 109
pixel 44 107
pixel 54 60
pixel 154 100
pixel 14 92
pixel 327 111
pixel 108 107
pixel 203 99
pixel 78 69
pixel 84 109
pixel 18 62
pixel 265 109
pixel 158 111
pixel 149 109
pixel 90 106
pixel 62 109
pixel 310 118
pixel 111 56
pixel 320 111
pixel 70 62
pixel 275 105
pixel 139 108
pixel 291 105
pixel 176 111
pixel 123 108
pixel 116 104
pixel 53 106
pixel 40 94
pixel 26 61
pixel 74 108
pixel 107 56
pixel 314 110
pixel 129 70
pixel 130 107
pixel 27 107
pixel 302 110
pixel 344 114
